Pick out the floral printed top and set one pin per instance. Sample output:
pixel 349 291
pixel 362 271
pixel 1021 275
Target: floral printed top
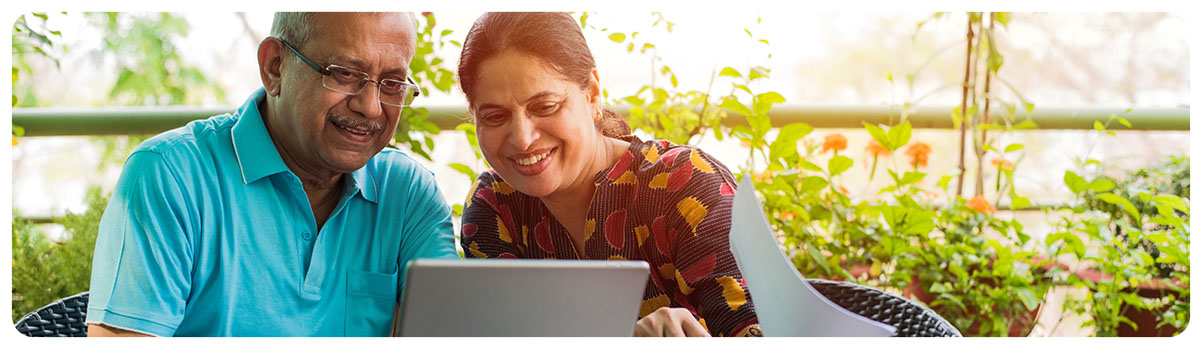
pixel 662 203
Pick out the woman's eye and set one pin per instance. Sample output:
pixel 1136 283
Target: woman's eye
pixel 545 108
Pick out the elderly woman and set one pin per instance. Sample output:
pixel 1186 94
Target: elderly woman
pixel 569 182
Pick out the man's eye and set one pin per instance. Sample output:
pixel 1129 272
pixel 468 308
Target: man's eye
pixel 494 118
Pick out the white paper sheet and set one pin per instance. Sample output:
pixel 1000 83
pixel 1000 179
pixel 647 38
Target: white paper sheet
pixel 786 304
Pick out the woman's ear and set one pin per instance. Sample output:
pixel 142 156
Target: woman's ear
pixel 270 62
pixel 594 88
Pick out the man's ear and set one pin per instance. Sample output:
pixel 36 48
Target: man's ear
pixel 594 88
pixel 270 65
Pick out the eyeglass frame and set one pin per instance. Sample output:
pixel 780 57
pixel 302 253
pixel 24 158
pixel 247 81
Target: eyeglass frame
pixel 326 73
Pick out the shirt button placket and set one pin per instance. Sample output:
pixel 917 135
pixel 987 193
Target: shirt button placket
pixel 306 236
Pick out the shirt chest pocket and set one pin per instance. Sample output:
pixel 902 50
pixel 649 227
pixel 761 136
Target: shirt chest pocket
pixel 370 302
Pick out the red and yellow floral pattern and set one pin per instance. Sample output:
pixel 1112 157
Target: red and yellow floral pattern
pixel 662 203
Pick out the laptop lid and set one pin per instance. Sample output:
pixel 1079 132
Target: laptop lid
pixel 521 297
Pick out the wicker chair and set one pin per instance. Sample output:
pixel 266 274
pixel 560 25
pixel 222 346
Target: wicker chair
pixel 62 318
pixel 65 317
pixel 909 318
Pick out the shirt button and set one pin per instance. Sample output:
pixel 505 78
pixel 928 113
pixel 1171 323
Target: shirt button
pixel 306 236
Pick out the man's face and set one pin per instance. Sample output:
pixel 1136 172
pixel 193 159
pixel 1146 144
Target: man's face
pixel 320 130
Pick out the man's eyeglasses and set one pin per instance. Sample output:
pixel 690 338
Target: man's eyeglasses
pixel 392 92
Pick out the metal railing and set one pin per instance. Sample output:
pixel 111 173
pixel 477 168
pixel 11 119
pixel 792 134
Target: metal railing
pixel 153 120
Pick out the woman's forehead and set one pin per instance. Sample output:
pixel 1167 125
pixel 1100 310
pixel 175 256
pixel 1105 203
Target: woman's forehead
pixel 513 77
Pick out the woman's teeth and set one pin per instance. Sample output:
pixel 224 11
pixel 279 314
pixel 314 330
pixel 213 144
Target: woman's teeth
pixel 532 159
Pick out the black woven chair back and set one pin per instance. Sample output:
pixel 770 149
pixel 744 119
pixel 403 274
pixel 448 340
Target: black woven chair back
pixel 62 318
pixel 909 318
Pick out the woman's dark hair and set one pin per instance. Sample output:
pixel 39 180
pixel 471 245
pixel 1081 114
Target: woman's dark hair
pixel 552 37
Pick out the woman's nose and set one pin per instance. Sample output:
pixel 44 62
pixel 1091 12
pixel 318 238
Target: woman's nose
pixel 524 131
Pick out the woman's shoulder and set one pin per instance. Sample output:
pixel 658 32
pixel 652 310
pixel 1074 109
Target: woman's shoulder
pixel 675 167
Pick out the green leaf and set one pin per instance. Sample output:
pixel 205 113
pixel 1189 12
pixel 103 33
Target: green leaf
pixel 879 135
pixel 1125 122
pixel 1027 124
pixel 1101 185
pixel 784 144
pixel 1019 202
pixel 759 72
pixel 735 106
pixel 1013 147
pixel 911 177
pixel 463 169
pixel 812 184
pixel 763 101
pixel 839 164
pixel 1097 125
pixel 816 255
pixel 805 164
pixel 617 37
pixel 1075 182
pixel 944 183
pixel 730 72
pixel 1003 18
pixel 1121 201
pixel 900 134
pixel 1172 201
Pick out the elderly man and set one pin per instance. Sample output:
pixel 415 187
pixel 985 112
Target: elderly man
pixel 284 218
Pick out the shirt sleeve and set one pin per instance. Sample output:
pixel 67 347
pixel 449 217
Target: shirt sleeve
pixel 485 233
pixel 706 272
pixel 430 234
pixel 141 267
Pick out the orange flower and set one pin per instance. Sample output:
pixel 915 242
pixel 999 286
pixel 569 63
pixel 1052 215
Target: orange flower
pixel 1002 163
pixel 980 204
pixel 764 177
pixel 874 149
pixel 843 189
pixel 836 142
pixel 919 152
pixel 787 215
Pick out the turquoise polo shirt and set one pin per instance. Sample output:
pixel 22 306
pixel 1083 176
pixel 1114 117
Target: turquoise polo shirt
pixel 208 233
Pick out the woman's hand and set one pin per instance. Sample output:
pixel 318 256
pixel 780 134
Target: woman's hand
pixel 669 322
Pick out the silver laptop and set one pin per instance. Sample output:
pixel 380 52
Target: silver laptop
pixel 520 297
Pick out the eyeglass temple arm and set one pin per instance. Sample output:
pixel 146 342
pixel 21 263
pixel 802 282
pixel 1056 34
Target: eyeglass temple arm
pixel 310 63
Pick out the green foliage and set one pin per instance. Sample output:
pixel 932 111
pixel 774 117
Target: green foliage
pixel 1133 231
pixel 428 70
pixel 150 70
pixel 43 270
pixel 976 270
pixel 32 38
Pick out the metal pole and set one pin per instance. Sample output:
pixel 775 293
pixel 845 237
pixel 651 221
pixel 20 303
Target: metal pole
pixel 153 120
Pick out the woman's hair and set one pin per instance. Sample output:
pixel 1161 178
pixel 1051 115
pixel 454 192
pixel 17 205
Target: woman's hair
pixel 554 38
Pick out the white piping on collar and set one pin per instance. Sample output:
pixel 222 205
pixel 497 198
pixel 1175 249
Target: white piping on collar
pixel 241 167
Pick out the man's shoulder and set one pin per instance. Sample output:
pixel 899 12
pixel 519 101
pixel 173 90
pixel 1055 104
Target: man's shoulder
pixel 392 160
pixel 195 136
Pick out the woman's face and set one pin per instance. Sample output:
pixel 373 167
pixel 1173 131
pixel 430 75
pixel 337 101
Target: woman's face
pixel 534 126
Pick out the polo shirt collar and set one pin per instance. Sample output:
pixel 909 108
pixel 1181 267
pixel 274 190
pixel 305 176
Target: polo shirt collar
pixel 258 158
pixel 252 145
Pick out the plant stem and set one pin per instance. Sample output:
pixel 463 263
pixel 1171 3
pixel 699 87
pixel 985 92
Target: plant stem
pixel 987 85
pixel 962 138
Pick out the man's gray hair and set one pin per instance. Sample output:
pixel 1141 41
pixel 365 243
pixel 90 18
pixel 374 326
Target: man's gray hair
pixel 294 27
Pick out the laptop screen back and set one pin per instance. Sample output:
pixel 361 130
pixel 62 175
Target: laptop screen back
pixel 518 297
